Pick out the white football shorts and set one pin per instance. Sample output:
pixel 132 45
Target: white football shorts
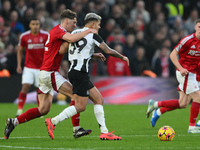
pixel 50 81
pixel 188 84
pixel 30 76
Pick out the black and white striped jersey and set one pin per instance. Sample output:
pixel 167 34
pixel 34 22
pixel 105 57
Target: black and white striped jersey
pixel 80 52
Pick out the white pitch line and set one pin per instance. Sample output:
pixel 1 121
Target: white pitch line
pixel 40 137
pixel 96 148
pixel 46 148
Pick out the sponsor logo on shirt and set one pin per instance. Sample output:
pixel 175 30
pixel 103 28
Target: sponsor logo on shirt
pixel 35 46
pixel 193 52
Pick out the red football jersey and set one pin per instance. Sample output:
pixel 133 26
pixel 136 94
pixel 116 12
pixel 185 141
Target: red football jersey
pixel 34 45
pixel 52 58
pixel 189 51
pixel 117 67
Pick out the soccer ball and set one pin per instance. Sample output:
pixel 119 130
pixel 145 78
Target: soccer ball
pixel 166 133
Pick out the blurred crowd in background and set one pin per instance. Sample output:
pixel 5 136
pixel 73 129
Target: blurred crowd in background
pixel 145 31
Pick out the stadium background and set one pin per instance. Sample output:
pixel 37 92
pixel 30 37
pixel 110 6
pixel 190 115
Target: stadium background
pixel 146 37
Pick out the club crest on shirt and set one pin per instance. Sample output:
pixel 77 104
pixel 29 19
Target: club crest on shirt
pixel 41 39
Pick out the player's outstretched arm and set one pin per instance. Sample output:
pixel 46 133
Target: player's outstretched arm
pixel 71 38
pixel 174 59
pixel 112 52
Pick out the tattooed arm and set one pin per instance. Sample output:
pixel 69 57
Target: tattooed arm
pixel 112 52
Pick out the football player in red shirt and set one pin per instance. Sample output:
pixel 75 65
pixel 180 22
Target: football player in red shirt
pixel 49 77
pixel 189 51
pixel 33 42
pixel 116 66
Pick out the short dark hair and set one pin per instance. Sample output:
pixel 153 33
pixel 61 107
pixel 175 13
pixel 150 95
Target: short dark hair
pixel 67 13
pixel 34 18
pixel 92 17
pixel 197 21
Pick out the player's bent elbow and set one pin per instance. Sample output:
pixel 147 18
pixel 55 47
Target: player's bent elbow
pixel 183 106
pixel 71 40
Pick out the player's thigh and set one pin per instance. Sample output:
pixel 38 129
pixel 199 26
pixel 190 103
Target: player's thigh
pixel 195 96
pixel 66 89
pixel 184 99
pixel 95 96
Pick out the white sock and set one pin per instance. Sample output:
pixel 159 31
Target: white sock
pixel 191 127
pixel 155 105
pixel 99 114
pixel 76 128
pixel 158 112
pixel 15 122
pixel 66 113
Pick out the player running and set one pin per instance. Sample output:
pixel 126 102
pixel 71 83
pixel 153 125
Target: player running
pixel 189 51
pixel 33 41
pixel 49 77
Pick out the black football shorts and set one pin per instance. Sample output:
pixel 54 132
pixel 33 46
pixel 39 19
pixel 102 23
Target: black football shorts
pixel 81 82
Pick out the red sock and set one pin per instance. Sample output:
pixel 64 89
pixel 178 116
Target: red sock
pixel 37 100
pixel 29 115
pixel 194 111
pixel 76 118
pixel 173 103
pixel 21 100
pixel 164 109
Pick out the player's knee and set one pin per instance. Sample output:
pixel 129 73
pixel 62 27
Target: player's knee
pixel 25 88
pixel 100 101
pixel 44 110
pixel 183 105
pixel 80 108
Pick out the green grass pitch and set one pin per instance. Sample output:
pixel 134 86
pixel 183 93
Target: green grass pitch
pixel 128 121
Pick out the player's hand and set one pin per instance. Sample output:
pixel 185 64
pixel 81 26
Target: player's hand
pixel 184 71
pixel 93 31
pixel 99 56
pixel 19 69
pixel 126 59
